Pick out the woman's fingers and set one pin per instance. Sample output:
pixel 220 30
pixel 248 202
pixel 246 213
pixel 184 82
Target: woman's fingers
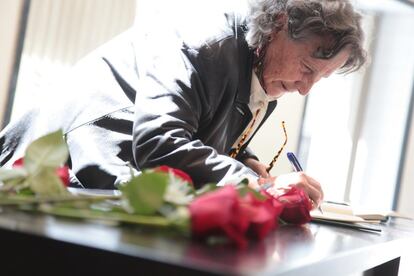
pixel 300 179
pixel 317 186
pixel 314 194
pixel 282 182
pixel 257 166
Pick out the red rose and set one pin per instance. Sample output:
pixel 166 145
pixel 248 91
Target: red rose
pixel 219 212
pixel 224 211
pixel 297 206
pixel 176 172
pixel 18 163
pixel 62 172
pixel 263 214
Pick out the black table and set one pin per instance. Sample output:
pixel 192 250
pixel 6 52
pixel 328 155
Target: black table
pixel 32 242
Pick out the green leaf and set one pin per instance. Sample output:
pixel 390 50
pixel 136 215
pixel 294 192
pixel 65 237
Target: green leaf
pixel 64 200
pixel 156 221
pixel 206 188
pixel 48 151
pixel 245 181
pixel 244 189
pixel 47 182
pixel 14 185
pixel 9 174
pixel 144 194
pixel 178 215
pixel 178 192
pixel 24 189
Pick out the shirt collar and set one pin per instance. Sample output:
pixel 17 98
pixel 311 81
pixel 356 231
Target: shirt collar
pixel 258 94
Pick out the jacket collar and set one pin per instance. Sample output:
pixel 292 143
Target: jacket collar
pixel 245 57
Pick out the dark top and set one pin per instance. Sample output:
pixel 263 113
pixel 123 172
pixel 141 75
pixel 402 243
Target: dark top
pixel 163 94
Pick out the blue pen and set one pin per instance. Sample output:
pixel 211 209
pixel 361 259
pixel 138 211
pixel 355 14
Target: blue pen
pixel 298 168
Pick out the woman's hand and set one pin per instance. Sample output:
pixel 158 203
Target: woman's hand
pixel 257 166
pixel 299 179
pixel 283 182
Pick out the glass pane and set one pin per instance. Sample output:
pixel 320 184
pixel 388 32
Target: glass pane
pixel 354 126
pixel 380 142
pixel 59 33
pixel 327 133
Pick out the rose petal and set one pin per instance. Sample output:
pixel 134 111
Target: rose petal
pixel 219 212
pixel 18 163
pixel 176 172
pixel 297 206
pixel 63 173
pixel 264 215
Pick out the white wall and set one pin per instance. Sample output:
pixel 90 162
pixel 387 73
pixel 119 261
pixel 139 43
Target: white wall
pixel 10 11
pixel 270 137
pixel 406 202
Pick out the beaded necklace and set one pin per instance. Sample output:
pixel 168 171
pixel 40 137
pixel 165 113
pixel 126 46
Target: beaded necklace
pixel 246 134
pixel 271 164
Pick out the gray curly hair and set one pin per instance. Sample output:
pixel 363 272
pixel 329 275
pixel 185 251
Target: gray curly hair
pixel 335 19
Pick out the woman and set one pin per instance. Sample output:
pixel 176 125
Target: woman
pixel 179 92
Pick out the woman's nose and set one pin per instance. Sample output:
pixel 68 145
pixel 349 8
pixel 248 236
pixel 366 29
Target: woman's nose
pixel 305 85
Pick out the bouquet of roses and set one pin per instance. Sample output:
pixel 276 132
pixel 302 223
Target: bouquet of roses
pixel 161 197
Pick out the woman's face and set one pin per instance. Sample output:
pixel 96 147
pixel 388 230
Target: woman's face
pixel 289 65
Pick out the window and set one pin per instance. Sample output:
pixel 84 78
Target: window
pixel 59 33
pixel 354 127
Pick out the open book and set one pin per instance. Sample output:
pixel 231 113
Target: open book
pixel 343 214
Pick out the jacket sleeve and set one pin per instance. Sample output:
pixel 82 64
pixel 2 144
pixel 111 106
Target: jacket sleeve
pixel 170 106
pixel 246 153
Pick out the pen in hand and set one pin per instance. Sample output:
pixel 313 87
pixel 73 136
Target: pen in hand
pixel 298 168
